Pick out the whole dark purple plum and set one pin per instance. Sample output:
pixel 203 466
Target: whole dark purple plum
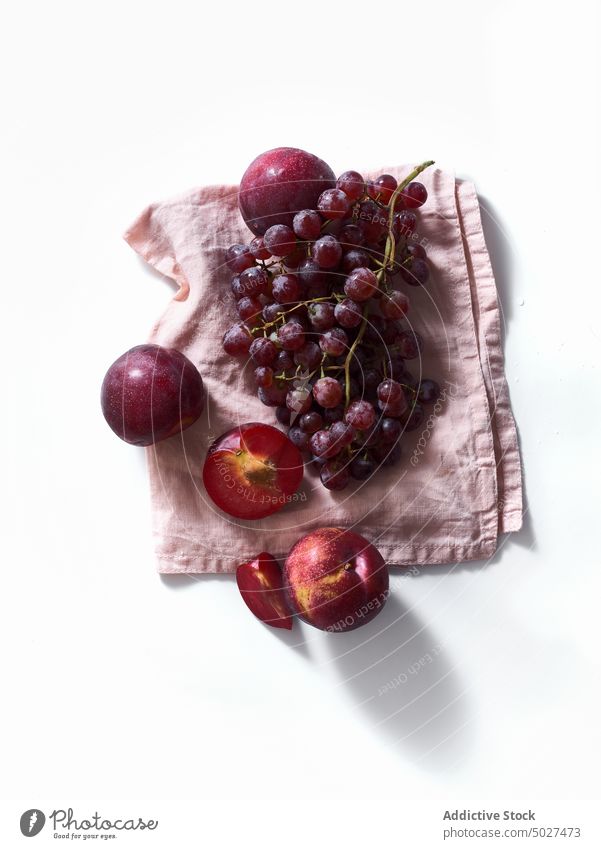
pixel 278 184
pixel 151 393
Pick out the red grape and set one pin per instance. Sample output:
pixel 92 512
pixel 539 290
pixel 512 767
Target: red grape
pixel 254 281
pixel 238 258
pixel 352 184
pixel 371 379
pixel 354 259
pixel 327 252
pixel 351 235
pixel 319 290
pixel 236 287
pixel 258 249
pixel 390 391
pixel 299 438
pixel 417 273
pixel 273 395
pixel 373 221
pixel 300 315
pixel 416 250
pixel 237 340
pixel 294 259
pixel 405 223
pixel 383 188
pixel 285 288
pixel 334 342
pixel 361 284
pixel 414 195
pixel 249 309
pixel 334 475
pixel 299 400
pixel 360 415
pixel 309 356
pixel 311 422
pixel 271 311
pixel 362 467
pixel 390 430
pixel 291 336
pixel 282 414
pixel 280 240
pixel 374 331
pixel 342 434
pixel 429 392
pixel 263 376
pixel 348 313
pixel 263 351
pixel 307 224
pixel 333 203
pixel 395 305
pixel 395 407
pixel 327 392
pixel 310 273
pixel 322 444
pixel 284 361
pixel 322 316
pixel 385 453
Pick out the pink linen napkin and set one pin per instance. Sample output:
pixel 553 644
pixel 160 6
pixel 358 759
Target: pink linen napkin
pixel 459 483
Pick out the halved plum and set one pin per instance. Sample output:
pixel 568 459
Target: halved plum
pixel 260 585
pixel 252 471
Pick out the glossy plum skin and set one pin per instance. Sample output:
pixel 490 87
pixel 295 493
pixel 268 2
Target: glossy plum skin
pixel 278 184
pixel 260 585
pixel 252 471
pixel 151 393
pixel 335 580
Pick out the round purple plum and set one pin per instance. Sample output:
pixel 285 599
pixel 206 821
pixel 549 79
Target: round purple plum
pixel 278 184
pixel 151 393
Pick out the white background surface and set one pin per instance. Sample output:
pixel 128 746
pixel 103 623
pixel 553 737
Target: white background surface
pixel 120 685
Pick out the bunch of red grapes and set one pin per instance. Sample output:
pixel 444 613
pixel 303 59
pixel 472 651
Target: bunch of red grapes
pixel 322 318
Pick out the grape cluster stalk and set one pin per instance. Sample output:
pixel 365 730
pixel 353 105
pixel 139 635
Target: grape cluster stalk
pixel 320 313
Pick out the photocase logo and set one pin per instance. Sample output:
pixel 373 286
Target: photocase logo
pixel 32 822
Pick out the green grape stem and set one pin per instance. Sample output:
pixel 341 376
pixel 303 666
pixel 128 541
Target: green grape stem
pixel 390 243
pixel 349 357
pixel 284 313
pixel 389 253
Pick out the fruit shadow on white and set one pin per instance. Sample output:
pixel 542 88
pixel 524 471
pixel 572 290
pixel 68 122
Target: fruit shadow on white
pixel 524 538
pixel 400 677
pixel 294 639
pixel 501 253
